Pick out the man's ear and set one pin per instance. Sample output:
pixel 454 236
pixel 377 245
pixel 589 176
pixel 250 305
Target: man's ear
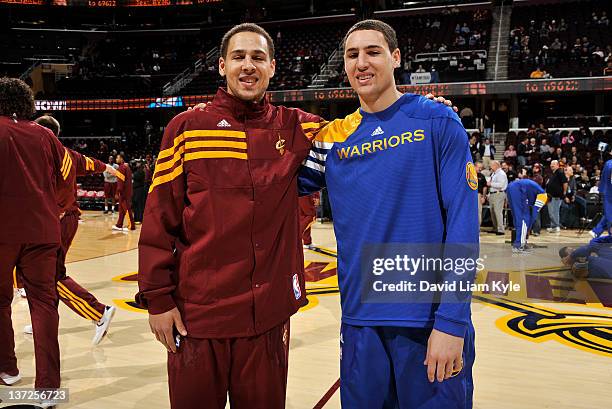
pixel 273 67
pixel 222 66
pixel 397 58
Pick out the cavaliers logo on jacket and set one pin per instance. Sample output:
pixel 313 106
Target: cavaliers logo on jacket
pixel 225 198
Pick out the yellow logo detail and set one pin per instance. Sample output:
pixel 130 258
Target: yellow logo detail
pixel 280 145
pixel 381 144
pixel 471 176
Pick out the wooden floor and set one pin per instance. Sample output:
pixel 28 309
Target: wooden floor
pixel 567 364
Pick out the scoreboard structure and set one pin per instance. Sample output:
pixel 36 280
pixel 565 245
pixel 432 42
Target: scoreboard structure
pixel 111 3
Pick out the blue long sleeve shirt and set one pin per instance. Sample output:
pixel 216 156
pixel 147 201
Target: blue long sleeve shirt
pixel 403 175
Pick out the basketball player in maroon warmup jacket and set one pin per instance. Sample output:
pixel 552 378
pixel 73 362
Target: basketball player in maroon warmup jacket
pixel 77 298
pixel 124 195
pixel 31 158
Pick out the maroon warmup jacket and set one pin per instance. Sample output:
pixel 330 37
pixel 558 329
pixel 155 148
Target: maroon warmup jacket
pixel 124 183
pixel 74 164
pixel 220 237
pixel 30 158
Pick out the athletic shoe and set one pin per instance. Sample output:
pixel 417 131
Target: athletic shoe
pixel 22 292
pixel 103 324
pixel 9 380
pixel 520 250
pixel 125 230
pixel 556 230
pixel 534 234
pixel 549 230
pixel 116 228
pixel 28 329
pixel 593 234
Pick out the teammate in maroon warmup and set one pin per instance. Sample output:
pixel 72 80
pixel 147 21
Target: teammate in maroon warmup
pixel 124 195
pixel 73 295
pixel 220 255
pixel 30 159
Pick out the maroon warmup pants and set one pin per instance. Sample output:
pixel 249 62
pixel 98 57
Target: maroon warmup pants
pixel 37 264
pixel 252 370
pixel 77 298
pixel 308 215
pixel 125 209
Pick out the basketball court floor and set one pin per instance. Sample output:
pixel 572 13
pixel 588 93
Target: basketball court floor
pixel 547 346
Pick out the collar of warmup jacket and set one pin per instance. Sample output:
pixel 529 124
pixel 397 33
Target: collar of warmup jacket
pixel 241 109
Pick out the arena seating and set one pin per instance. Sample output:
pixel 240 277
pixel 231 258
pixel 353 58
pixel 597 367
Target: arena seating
pixel 582 30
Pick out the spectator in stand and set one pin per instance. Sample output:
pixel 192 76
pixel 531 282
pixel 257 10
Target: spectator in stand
pixel 482 190
pixel 608 69
pixel 533 153
pixel 536 176
pixel 420 69
pixel 103 150
pixel 522 152
pixel 596 176
pixel 571 200
pixel 544 148
pixel 467 117
pixel 556 189
pixel 510 154
pixel 497 197
pixel 487 153
pixel 475 147
pixel 537 74
pixel 547 157
pixel 508 169
pixel 583 184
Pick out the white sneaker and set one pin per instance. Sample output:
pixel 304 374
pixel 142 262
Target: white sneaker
pixel 117 228
pixel 593 234
pixel 549 230
pixel 22 292
pixel 556 230
pixel 125 230
pixel 28 329
pixel 9 379
pixel 103 324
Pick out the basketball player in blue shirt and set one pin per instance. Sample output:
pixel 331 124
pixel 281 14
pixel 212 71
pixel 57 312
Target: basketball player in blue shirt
pixel 398 170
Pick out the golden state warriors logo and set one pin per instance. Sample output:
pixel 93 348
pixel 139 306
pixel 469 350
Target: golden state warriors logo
pixel 471 176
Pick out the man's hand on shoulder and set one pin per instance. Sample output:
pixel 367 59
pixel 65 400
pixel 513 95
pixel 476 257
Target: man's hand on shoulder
pixel 442 100
pixel 201 106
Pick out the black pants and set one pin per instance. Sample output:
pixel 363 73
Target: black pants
pixel 138 203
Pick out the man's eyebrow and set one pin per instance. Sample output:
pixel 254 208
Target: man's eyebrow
pixel 368 47
pixel 245 51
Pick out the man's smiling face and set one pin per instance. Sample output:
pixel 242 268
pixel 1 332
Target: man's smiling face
pixel 369 63
pixel 247 66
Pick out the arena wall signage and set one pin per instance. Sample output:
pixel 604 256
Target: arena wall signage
pixel 600 84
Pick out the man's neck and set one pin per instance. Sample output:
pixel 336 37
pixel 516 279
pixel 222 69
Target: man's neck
pixel 382 102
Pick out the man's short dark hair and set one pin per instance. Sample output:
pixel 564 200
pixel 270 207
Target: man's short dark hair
pixel 387 31
pixel 564 252
pixel 49 122
pixel 16 98
pixel 246 28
